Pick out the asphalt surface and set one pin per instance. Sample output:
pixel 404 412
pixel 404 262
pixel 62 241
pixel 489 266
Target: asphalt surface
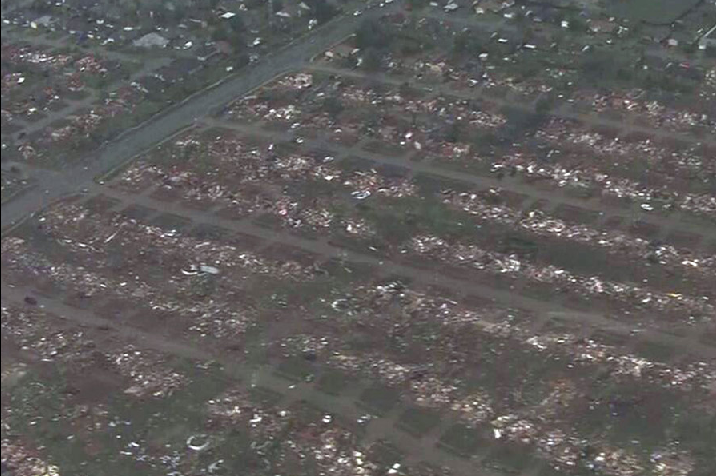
pixel 52 186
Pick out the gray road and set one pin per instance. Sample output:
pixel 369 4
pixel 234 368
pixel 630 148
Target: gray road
pixel 52 186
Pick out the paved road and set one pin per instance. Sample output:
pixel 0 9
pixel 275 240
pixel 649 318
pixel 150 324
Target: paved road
pixel 73 107
pixel 52 187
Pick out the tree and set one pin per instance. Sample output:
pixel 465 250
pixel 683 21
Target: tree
pixel 238 42
pixel 373 34
pixel 578 24
pixel 372 60
pixel 235 33
pixel 519 122
pixel 544 105
pixel 405 89
pixel 460 43
pixel 323 10
pixel 236 23
pixel 454 132
pixel 220 33
pixel 333 106
pixel 466 42
pixel 691 47
pixel 599 64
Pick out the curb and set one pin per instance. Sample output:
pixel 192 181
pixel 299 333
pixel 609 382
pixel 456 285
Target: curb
pixel 110 174
pixel 17 193
pixel 211 86
pixel 9 229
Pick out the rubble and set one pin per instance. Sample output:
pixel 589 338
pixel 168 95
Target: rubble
pixel 332 448
pixel 522 376
pixel 686 161
pixel 538 425
pixel 541 224
pixel 657 115
pixel 146 372
pixel 498 263
pixel 586 178
pixel 24 462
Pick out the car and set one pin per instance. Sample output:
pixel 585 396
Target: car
pixel 357 13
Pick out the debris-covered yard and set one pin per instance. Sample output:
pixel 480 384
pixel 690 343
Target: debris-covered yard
pixel 347 307
pixel 448 246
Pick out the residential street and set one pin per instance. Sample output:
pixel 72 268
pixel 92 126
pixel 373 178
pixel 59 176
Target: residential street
pixel 51 186
pixel 420 239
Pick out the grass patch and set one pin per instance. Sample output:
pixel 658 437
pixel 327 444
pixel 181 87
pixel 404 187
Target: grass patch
pixel 296 369
pixel 509 460
pixel 333 382
pixel 635 415
pixel 379 399
pixel 385 454
pixel 655 352
pixel 263 396
pixel 419 421
pixel 397 220
pixel 462 441
pixel 169 221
